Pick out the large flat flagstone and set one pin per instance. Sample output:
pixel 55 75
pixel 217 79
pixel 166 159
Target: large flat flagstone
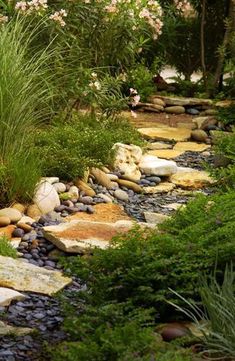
pixel 168 133
pixel 193 179
pixel 7 295
pixel 83 236
pixel 166 153
pixel 191 147
pixel 23 276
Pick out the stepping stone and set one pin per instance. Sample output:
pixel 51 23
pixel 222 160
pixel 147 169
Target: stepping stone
pixel 166 153
pixel 163 187
pixel 152 165
pixel 7 295
pixel 23 276
pixel 192 179
pixel 104 212
pixel 155 218
pixel 84 236
pixel 12 330
pixel 191 147
pixel 168 133
pixel 158 145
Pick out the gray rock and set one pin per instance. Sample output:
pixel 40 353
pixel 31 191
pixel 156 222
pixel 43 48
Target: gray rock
pixel 121 195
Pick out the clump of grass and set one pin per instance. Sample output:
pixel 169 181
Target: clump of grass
pixel 25 95
pixel 6 248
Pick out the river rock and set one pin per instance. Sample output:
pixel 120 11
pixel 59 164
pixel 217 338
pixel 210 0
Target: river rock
pixel 74 192
pixel 20 207
pixel 121 195
pixel 177 109
pixel 7 295
pixel 33 212
pixel 156 101
pixel 199 135
pixel 166 134
pixel 22 276
pixel 105 198
pixel 13 214
pixel 131 185
pixel 127 158
pixel 204 122
pixel 46 197
pixel 152 165
pixel 84 187
pixel 101 177
pixel 59 187
pixel 4 221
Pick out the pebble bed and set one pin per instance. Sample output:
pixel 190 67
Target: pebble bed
pixel 43 313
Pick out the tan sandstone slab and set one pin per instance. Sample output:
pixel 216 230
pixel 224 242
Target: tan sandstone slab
pixel 83 236
pixel 191 147
pixel 155 218
pixel 168 133
pixel 7 295
pixel 23 276
pixel 166 153
pixel 104 212
pixel 192 179
pixel 12 330
pixel 163 187
pixel 158 145
pixel 174 101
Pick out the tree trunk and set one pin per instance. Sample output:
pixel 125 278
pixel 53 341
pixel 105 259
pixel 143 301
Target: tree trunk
pixel 230 24
pixel 203 62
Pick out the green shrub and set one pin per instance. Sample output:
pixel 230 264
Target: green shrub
pixel 141 79
pixel 86 141
pixel 25 97
pixel 225 148
pixel 6 248
pixel 226 115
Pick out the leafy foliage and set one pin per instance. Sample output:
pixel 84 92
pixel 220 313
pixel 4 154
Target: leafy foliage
pixel 6 248
pixel 227 115
pixel 84 141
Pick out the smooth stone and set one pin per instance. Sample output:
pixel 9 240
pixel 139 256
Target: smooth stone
pixel 90 209
pixel 26 219
pixel 192 111
pixel 194 179
pixel 176 109
pixel 25 227
pixel 191 147
pixel 112 177
pixel 152 165
pixel 7 295
pixel 101 177
pixel 83 236
pixel 60 187
pixel 105 197
pixel 126 161
pixel 74 191
pixel 153 108
pixel 13 214
pixel 18 232
pixel 199 135
pixel 157 101
pixel 158 145
pixel 4 221
pixel 155 218
pixel 131 185
pixel 88 191
pixel 163 187
pixel 86 200
pixel 166 153
pixel 46 197
pixel 167 133
pixel 20 207
pixel 121 195
pixel 204 122
pixel 22 276
pixel 34 212
pixel 51 180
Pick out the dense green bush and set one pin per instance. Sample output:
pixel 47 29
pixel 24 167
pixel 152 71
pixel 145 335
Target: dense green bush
pixel 84 141
pixel 128 285
pixel 141 79
pixel 227 115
